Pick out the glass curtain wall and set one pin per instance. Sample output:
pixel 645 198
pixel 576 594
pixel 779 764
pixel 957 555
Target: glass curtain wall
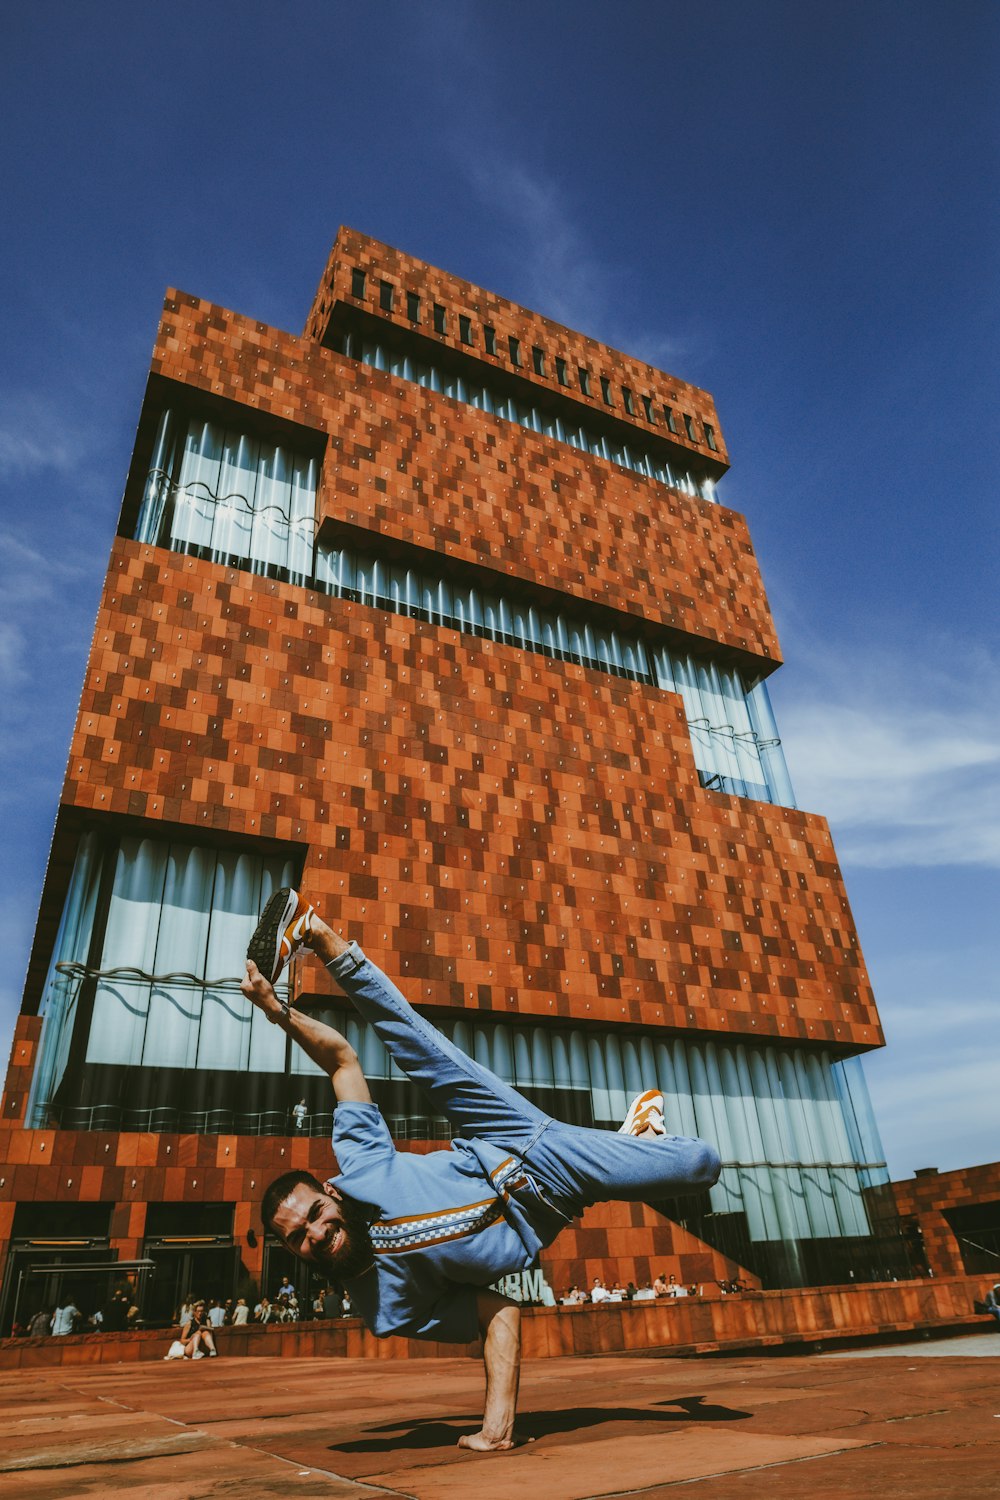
pixel 803 1197
pixel 62 984
pixel 633 454
pixel 794 1127
pixel 215 492
pixel 164 986
pixel 783 1120
pixel 168 994
pixel 144 995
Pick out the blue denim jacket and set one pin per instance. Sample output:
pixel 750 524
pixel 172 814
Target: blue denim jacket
pixel 445 1224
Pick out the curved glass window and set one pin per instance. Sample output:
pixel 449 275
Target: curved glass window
pixel 218 493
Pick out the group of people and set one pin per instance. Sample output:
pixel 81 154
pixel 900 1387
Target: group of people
pixel 663 1286
pixel 329 1302
pixel 198 1321
pixel 117 1315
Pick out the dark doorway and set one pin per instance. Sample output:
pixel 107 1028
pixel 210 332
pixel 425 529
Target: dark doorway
pixel 279 1262
pixel 41 1279
pixel 209 1271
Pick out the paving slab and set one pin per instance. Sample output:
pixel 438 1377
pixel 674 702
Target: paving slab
pixel 902 1427
pixel 983 1345
pixel 567 1473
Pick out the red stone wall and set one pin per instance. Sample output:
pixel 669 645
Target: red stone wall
pixel 407 464
pixel 690 1325
pixel 629 1242
pixel 131 1169
pixel 500 831
pixel 23 1053
pixel 407 274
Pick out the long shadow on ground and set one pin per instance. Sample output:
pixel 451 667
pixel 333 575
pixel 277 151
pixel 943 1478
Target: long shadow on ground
pixel 441 1432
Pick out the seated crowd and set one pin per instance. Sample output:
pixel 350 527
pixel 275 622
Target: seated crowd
pixel 665 1285
pixel 199 1322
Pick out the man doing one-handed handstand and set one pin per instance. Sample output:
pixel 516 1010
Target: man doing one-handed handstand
pixel 418 1239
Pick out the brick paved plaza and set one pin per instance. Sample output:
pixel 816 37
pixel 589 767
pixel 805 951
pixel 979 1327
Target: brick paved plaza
pixel 921 1420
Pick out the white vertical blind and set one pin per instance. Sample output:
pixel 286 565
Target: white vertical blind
pixel 62 991
pixel 180 909
pixel 174 1014
pixel 121 1003
pixel 773 1114
pixel 220 493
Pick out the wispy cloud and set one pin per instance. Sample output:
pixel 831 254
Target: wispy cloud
pixel 933 1113
pixel 564 273
pixel 13 655
pixel 902 756
pixel 47 601
pixel 534 220
pixel 566 278
pixel 30 573
pixel 34 437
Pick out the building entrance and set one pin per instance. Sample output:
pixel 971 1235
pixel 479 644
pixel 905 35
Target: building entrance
pixel 207 1271
pixel 40 1280
pixel 280 1262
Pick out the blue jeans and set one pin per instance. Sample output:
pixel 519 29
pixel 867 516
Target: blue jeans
pixel 573 1165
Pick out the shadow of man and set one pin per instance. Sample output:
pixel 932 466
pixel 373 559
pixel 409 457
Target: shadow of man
pixel 441 1432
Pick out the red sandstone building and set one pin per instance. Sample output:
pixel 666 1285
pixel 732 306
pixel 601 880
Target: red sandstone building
pixel 435 609
pixel 952 1219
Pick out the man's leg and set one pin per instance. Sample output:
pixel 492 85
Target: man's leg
pixel 475 1100
pixel 577 1166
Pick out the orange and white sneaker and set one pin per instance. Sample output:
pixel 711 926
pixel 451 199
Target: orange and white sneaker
pixel 644 1113
pixel 283 930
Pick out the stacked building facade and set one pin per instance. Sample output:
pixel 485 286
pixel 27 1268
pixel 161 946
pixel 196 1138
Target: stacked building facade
pixel 433 609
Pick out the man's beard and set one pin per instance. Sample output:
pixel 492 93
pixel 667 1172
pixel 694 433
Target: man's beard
pixel 355 1254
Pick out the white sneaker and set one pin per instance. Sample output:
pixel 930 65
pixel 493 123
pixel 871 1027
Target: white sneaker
pixel 644 1113
pixel 198 1354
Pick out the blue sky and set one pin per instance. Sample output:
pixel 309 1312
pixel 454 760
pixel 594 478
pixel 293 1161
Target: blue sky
pixel 792 205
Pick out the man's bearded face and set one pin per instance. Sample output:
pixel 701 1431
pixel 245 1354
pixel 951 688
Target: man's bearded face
pixel 325 1229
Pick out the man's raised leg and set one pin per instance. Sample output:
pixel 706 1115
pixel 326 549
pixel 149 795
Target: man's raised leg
pixel 475 1100
pixel 577 1166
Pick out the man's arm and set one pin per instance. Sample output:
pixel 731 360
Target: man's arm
pixel 328 1048
pixel 500 1327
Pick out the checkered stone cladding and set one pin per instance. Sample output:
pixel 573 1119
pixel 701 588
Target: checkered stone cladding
pixel 410 465
pixel 500 831
pixel 405 274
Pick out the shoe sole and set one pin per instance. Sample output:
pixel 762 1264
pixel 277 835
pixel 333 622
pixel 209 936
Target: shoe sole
pixel 265 945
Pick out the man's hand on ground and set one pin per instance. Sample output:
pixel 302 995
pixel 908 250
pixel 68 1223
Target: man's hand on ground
pixel 500 1329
